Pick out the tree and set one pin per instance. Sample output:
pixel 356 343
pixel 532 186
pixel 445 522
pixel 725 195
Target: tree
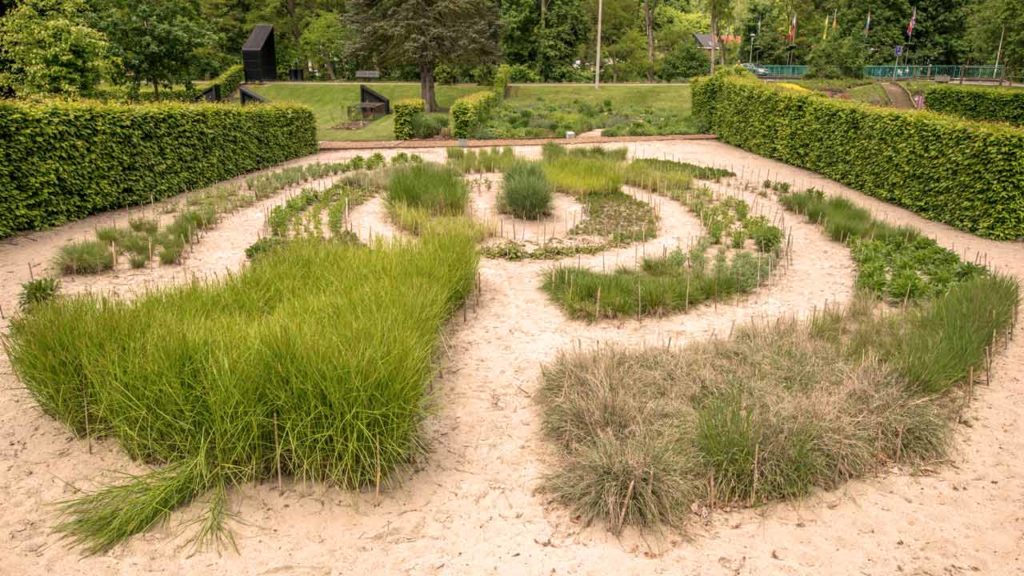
pixel 425 33
pixel 650 6
pixel 50 49
pixel 991 20
pixel 157 41
pixel 324 41
pixel 837 57
pixel 717 9
pixel 686 60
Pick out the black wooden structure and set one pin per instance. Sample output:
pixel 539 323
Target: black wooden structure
pixel 247 96
pixel 258 56
pixel 372 105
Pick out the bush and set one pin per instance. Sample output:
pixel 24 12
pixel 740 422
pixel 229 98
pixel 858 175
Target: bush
pixel 961 173
pixel 977 102
pixel 685 62
pixel 428 125
pixel 470 112
pixel 64 161
pixel 502 78
pixel 526 192
pixel 438 189
pixel 404 111
pixel 522 74
pixel 36 292
pixel 313 363
pixel 837 58
pixel 228 81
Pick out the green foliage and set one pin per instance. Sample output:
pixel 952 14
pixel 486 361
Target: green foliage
pixel 977 103
pixel 685 61
pixel 49 48
pixel 440 190
pixel 483 160
pixel 229 81
pixel 580 175
pixel 502 78
pixel 837 57
pixel 313 363
pixel 404 110
pixel 85 257
pixel 961 173
pixel 428 125
pixel 471 112
pixel 898 264
pixel 64 161
pixel 36 292
pixel 525 192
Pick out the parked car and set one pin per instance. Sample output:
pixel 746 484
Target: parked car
pixel 755 69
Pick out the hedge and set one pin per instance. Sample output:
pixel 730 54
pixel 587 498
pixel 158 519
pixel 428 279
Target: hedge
pixel 471 111
pixel 502 78
pixel 977 102
pixel 404 111
pixel 969 175
pixel 229 81
pixel 64 161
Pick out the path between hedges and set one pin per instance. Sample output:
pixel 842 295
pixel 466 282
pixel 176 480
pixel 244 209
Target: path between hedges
pixel 588 138
pixel 898 96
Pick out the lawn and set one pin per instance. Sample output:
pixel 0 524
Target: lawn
pixel 643 107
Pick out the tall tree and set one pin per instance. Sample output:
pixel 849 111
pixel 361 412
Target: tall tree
pixel 158 42
pixel 425 33
pixel 324 41
pixel 650 6
pixel 994 20
pixel 718 10
pixel 49 48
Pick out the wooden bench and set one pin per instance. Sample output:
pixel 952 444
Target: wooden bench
pixel 367 74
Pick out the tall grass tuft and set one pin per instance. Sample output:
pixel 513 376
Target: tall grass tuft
pixel 526 192
pixel 85 257
pixel 438 189
pixel 312 363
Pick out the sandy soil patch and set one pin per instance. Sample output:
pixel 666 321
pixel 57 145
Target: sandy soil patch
pixel 471 506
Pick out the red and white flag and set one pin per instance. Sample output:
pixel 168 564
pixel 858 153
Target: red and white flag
pixel 791 37
pixel 913 21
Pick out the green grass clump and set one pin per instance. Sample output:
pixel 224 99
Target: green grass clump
pixel 554 151
pixel 313 363
pixel 771 413
pixel 669 177
pixel 895 262
pixel 525 192
pixel 661 286
pixel 579 176
pixel 438 189
pixel 37 291
pixel 85 257
pixel 469 161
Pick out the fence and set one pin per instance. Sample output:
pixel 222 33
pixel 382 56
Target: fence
pixel 953 71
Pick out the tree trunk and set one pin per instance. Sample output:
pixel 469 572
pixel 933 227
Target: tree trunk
pixel 649 26
pixel 714 38
pixel 330 70
pixel 427 87
pixel 156 90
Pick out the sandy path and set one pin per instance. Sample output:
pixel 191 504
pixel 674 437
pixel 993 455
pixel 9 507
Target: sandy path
pixel 472 509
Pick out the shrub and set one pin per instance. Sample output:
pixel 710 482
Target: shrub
pixel 482 160
pixel 471 112
pixel 961 173
pixel 85 257
pixel 428 125
pixel 228 81
pixel 313 363
pixel 526 192
pixel 502 78
pixel 977 103
pixel 404 111
pixel 580 176
pixel 66 160
pixel 438 189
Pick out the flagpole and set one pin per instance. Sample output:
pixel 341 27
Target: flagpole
pixel 999 52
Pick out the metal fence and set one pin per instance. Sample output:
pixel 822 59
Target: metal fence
pixel 954 72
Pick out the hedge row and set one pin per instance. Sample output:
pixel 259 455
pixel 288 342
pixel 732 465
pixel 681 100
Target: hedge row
pixel 977 102
pixel 966 174
pixel 405 110
pixel 64 161
pixel 471 111
pixel 229 81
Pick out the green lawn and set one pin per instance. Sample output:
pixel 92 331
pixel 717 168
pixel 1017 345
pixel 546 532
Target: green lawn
pixel 636 104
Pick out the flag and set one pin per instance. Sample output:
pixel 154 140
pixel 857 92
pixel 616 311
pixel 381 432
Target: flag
pixel 758 25
pixel 791 37
pixel 913 21
pixel 835 20
pixel 867 25
pixel 824 33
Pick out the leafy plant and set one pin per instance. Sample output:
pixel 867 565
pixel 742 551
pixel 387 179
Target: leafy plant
pixel 525 192
pixel 37 291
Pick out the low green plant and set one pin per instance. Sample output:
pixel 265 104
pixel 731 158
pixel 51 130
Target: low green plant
pixel 579 176
pixel 470 161
pixel 525 192
pixel 85 257
pixel 438 189
pixel 37 291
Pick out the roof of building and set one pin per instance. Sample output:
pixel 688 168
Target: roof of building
pixel 705 41
pixel 258 38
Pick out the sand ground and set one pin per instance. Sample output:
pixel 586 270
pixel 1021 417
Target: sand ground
pixel 471 507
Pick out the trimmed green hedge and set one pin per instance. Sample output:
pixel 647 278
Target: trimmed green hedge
pixel 471 111
pixel 229 81
pixel 64 161
pixel 502 78
pixel 966 174
pixel 404 111
pixel 977 102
